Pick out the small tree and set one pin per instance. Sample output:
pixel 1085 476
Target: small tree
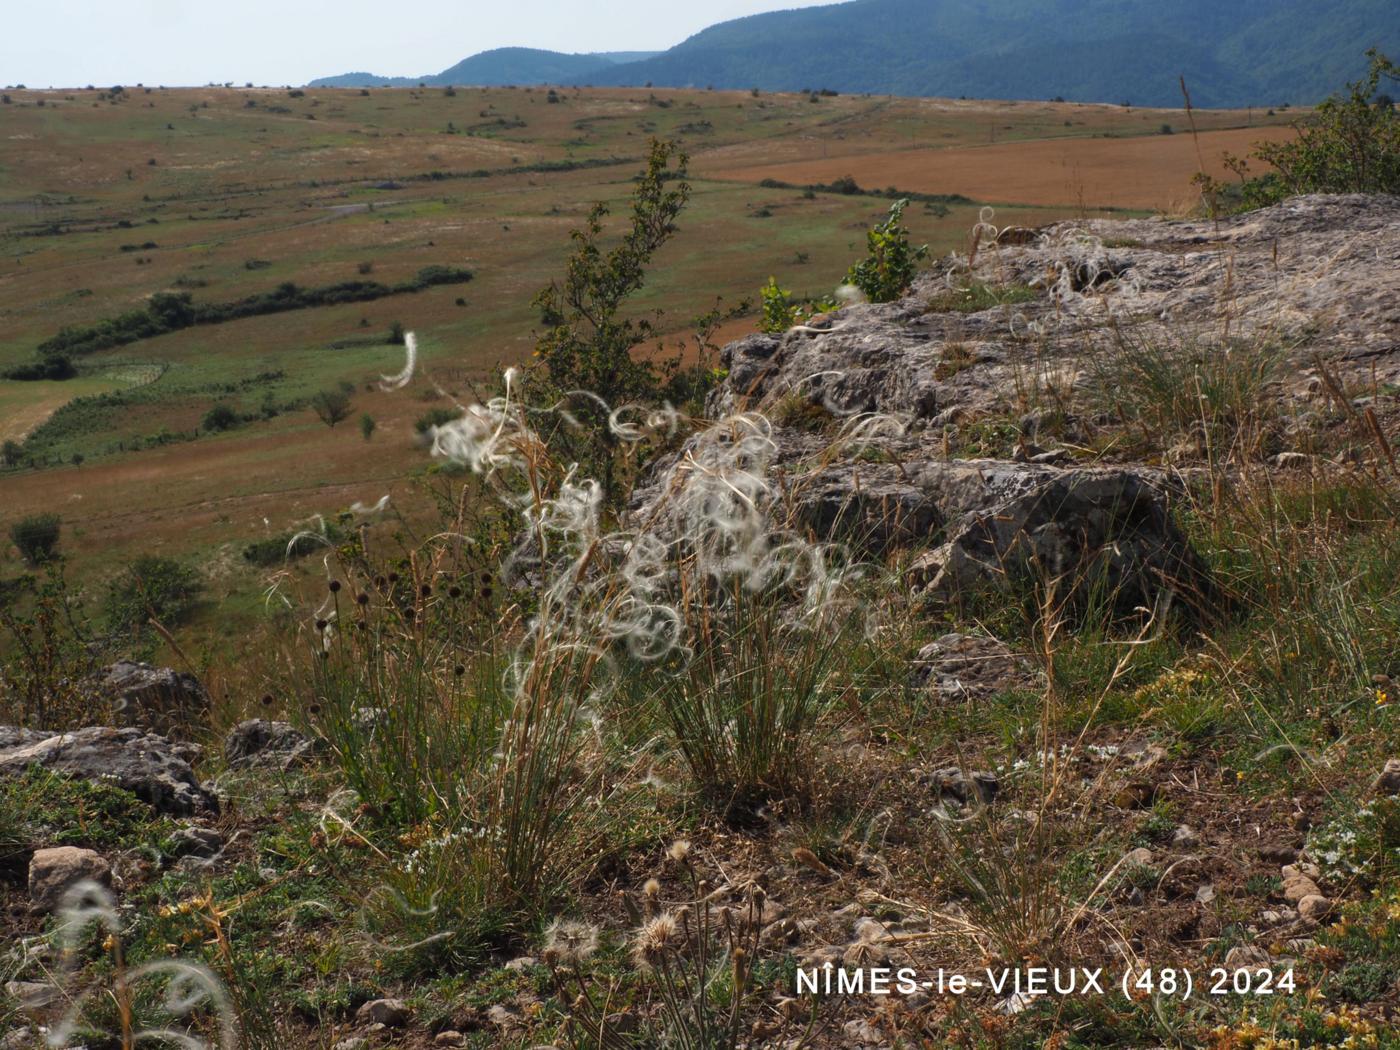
pixel 10 453
pixel 36 537
pixel 890 263
pixel 332 406
pixel 367 426
pixel 586 344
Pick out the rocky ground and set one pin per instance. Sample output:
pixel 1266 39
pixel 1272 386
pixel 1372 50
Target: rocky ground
pixel 1150 764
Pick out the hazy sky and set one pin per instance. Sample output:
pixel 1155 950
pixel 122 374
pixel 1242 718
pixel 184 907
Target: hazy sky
pixel 69 43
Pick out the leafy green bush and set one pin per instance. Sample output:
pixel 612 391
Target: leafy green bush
pixel 1349 144
pixel 36 537
pixel 890 263
pixel 220 417
pixel 779 313
pixel 56 367
pixel 587 343
pixel 152 587
pixel 289 545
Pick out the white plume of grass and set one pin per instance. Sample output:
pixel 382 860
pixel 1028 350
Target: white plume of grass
pixel 402 378
pixel 715 520
pixel 487 438
pixel 370 510
pixel 185 987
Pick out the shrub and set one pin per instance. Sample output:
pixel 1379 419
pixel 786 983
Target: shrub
pixel 779 313
pixel 367 426
pixel 36 537
pixel 276 550
pixel 220 417
pixel 1350 144
pixel 11 452
pixel 890 264
pixel 57 366
pixel 46 653
pixel 151 588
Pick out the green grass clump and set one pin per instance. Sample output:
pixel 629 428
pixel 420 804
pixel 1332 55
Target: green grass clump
pixel 39 807
pixel 1212 396
pixel 979 296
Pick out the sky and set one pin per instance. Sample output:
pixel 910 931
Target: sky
pixel 72 43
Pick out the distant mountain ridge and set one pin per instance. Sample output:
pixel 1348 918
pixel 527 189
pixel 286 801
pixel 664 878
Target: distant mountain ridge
pixel 498 67
pixel 1232 53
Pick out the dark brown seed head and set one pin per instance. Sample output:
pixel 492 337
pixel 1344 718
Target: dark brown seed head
pixel 459 670
pixel 426 590
pixel 267 700
pixel 321 625
pixel 334 585
pixel 454 592
pixel 362 599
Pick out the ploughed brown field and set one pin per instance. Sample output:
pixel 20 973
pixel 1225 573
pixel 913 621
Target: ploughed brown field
pixel 1149 172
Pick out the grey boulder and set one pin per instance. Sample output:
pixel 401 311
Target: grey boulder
pixel 150 766
pixel 262 743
